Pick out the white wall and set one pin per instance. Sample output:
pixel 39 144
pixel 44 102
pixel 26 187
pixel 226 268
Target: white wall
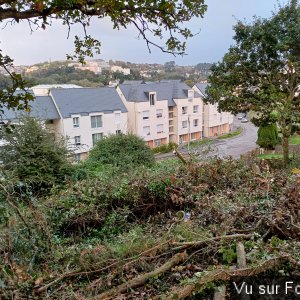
pixel 109 126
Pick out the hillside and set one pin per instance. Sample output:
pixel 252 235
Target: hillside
pixel 168 231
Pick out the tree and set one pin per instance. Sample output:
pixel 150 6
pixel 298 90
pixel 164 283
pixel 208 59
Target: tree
pixel 157 18
pixel 267 136
pixel 123 150
pixel 261 72
pixel 32 156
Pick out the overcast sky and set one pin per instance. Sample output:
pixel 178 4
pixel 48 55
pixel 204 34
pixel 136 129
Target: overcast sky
pixel 208 46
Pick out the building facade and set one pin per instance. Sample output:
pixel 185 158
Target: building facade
pixel 214 122
pixel 163 112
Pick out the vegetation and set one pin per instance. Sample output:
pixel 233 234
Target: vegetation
pixel 171 16
pixel 231 134
pixel 268 136
pixel 123 150
pixel 165 148
pixel 95 234
pixel 32 157
pixel 295 140
pixel 260 73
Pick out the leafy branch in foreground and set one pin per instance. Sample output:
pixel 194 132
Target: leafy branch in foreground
pixel 152 19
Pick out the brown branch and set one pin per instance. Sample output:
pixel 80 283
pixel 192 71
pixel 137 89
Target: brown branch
pixel 142 279
pixel 225 275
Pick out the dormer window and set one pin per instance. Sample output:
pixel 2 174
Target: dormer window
pixel 152 98
pixel 190 95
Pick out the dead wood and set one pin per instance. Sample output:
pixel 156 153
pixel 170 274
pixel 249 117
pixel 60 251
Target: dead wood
pixel 225 275
pixel 241 255
pixel 128 261
pixel 142 279
pixel 196 244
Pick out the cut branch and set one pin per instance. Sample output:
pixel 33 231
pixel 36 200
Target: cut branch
pixel 142 279
pixel 225 275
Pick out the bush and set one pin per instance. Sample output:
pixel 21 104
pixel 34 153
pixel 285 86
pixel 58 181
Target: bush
pixel 32 156
pixel 165 148
pixel 124 150
pixel 268 136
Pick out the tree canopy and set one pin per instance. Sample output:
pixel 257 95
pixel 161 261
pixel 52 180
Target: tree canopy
pixel 162 19
pixel 261 72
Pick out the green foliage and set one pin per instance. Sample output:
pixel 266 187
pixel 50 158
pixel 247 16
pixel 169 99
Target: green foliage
pixel 166 20
pixel 268 136
pixel 123 150
pixel 231 134
pixel 260 73
pixel 165 148
pixel 32 157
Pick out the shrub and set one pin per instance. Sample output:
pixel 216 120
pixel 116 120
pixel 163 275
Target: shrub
pixel 32 156
pixel 268 136
pixel 123 151
pixel 165 148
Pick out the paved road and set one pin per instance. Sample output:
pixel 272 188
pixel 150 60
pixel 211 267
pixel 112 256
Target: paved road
pixel 234 147
pixel 240 144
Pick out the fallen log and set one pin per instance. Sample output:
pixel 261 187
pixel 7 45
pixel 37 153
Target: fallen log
pixel 224 275
pixel 142 279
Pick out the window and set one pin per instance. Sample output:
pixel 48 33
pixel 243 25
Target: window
pixel 146 115
pixel 77 140
pixel 118 132
pixel 184 124
pixel 159 113
pixel 190 95
pixel 160 128
pixel 96 121
pixel 152 98
pixel 184 110
pixel 157 142
pixel 193 136
pixel 117 118
pixel 196 122
pixel 96 137
pixel 76 122
pixel 146 130
pixel 195 108
pixel 77 157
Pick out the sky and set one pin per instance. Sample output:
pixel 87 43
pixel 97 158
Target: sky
pixel 215 32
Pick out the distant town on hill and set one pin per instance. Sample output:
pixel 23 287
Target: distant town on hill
pixel 97 73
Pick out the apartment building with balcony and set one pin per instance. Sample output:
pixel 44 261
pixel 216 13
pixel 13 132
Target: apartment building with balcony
pixel 214 122
pixel 163 112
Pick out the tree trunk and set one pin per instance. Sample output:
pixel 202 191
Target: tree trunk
pixel 285 148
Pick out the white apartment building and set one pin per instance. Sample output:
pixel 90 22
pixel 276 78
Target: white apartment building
pixel 214 123
pixel 163 112
pixel 82 116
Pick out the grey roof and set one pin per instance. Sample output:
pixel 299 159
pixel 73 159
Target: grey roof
pixel 202 87
pixel 42 107
pixel 87 100
pixel 164 91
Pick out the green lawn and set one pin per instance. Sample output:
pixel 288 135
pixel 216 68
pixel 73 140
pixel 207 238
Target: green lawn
pixel 231 134
pixel 295 140
pixel 272 156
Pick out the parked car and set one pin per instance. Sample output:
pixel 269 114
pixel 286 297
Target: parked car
pixel 244 120
pixel 241 116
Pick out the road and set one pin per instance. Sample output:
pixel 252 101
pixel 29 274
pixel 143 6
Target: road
pixel 240 144
pixel 223 148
